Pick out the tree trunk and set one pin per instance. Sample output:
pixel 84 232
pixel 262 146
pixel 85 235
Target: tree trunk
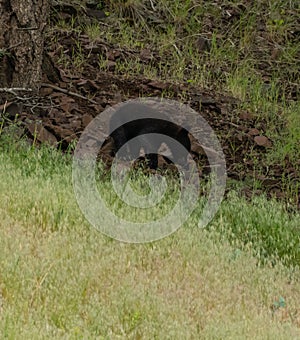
pixel 22 28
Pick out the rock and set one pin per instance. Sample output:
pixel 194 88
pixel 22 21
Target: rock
pixel 41 134
pixel 86 119
pixel 253 132
pixel 262 141
pixel 11 110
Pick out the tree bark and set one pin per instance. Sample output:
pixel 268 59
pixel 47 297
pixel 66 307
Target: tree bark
pixel 22 29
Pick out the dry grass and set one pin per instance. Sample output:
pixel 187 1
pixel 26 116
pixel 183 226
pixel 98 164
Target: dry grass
pixel 61 278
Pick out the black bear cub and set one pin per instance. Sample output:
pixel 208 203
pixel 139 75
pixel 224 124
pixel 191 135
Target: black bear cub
pixel 132 121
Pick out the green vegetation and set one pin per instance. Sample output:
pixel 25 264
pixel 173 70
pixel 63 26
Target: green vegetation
pixel 62 278
pixel 236 279
pixel 246 49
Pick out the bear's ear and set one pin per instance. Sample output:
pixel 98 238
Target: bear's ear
pixel 184 137
pixel 181 131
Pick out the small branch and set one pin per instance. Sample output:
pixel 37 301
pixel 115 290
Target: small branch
pixel 13 46
pixel 13 90
pixel 177 49
pixel 151 3
pixel 27 28
pixel 68 92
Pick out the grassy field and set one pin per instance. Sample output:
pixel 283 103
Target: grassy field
pixel 60 278
pixel 236 279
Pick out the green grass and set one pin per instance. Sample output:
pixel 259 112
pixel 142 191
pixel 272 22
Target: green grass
pixel 62 278
pixel 253 55
pixel 236 279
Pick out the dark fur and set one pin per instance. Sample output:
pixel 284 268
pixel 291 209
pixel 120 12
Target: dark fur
pixel 143 126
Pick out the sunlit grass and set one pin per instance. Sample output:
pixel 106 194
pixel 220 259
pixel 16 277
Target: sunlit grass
pixel 62 278
pixel 236 279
